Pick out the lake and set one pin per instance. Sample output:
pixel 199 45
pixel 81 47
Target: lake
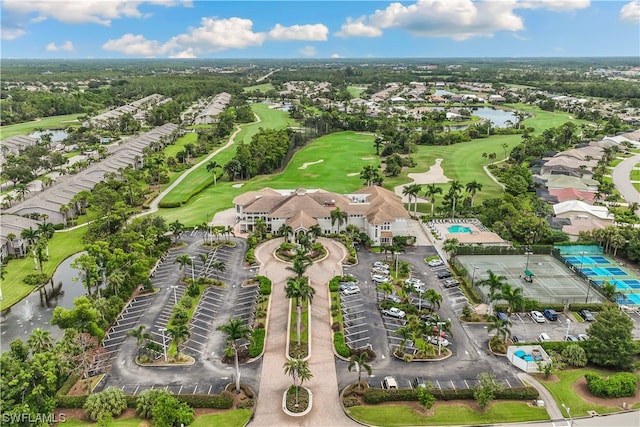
pixel 57 135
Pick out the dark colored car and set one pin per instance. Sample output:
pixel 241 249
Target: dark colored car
pixel 517 339
pixel 550 314
pixel 503 316
pixel 444 274
pixel 587 315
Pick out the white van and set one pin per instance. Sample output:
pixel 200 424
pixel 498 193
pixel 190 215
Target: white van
pixel 389 383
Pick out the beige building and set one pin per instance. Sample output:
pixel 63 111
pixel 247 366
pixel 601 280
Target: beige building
pixel 374 210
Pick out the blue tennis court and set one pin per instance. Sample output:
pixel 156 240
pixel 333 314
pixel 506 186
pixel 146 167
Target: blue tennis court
pixel 578 249
pixel 603 271
pixel 629 299
pixel 587 260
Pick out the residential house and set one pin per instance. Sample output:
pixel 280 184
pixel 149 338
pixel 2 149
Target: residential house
pixel 12 226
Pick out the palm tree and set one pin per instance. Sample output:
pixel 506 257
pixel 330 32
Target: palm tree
pixel 30 235
pixel 40 341
pixel 184 260
pixel 315 231
pixel 501 327
pixel 377 143
pixel 359 362
pixel 218 266
pixel 212 166
pixel 139 334
pixel 450 245
pixel 412 191
pixel 300 265
pixel 228 232
pixel 455 188
pixel 179 334
pixel 285 231
pixel 338 216
pixel 204 257
pixel 299 371
pixel 430 193
pixel 472 188
pixel 236 329
pixel 386 288
pixel 495 283
pixel 176 228
pixel 260 228
pixel 405 333
pixel 21 190
pixel 64 210
pixel 513 296
pixel 46 230
pixel 609 291
pixel 300 291
pixel 434 298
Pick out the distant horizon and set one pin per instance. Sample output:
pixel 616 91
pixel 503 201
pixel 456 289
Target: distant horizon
pixel 320 29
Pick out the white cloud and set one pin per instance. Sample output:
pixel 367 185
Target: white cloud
pixel 8 33
pixel 313 32
pixel 357 28
pixel 555 5
pixel 308 51
pixel 77 12
pixel 214 35
pixel 456 19
pixel 336 56
pixel 137 45
pixel 630 12
pixel 66 46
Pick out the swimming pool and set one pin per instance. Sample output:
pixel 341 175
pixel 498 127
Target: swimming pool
pixel 458 229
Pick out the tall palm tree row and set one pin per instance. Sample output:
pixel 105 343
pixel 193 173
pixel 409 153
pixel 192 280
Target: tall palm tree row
pixel 430 193
pixel 236 329
pixel 299 290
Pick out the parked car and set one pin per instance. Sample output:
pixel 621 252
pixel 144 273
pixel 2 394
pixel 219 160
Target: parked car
pixel 378 278
pixel 537 316
pixel 442 342
pixel 389 382
pixel 345 285
pixel 394 298
pixel 587 315
pixel 517 339
pixel 550 314
pixel 380 264
pixel 450 283
pixel 419 382
pixel 571 338
pixel 583 337
pixel 444 274
pixel 435 263
pixel 381 271
pixel 543 337
pixel 502 316
pixel 351 290
pixel 394 312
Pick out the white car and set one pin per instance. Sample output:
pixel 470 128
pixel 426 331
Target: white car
pixel 435 262
pixel 394 312
pixel 351 290
pixel 380 264
pixel 437 341
pixel 543 337
pixel 537 317
pixel 378 278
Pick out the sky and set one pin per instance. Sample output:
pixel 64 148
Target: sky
pixel 79 29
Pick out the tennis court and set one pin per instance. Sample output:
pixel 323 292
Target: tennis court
pixel 552 280
pixel 604 272
pixel 588 260
pixel 580 250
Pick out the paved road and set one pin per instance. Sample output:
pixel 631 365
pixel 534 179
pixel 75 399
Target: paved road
pixel 621 178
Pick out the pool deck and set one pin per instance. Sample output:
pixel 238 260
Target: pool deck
pixel 478 234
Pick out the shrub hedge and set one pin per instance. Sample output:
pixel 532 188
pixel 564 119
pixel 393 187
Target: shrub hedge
pixel 169 204
pixel 72 401
pixel 622 384
pixel 257 342
pixel 68 384
pixel 378 395
pixel 340 345
pixel 223 400
pixel 265 285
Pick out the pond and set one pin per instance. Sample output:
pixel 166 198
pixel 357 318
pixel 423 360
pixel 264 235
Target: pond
pixel 57 135
pixel 498 117
pixel 36 310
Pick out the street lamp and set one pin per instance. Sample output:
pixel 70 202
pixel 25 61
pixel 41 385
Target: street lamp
pixel 473 277
pixel 164 344
pixel 568 326
pixel 193 278
pixel 175 297
pixel 528 253
pixel 581 261
pixel 568 410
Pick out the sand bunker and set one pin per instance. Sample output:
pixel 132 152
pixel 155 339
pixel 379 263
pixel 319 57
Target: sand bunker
pixel 435 175
pixel 311 163
pixel 367 158
pixel 238 185
pixel 353 174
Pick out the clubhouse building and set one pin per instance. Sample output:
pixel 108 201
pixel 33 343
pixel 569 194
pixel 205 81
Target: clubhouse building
pixel 376 211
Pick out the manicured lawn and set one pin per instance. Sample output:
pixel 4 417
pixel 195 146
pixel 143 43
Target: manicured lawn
pixel 462 162
pixel 264 87
pixel 544 119
pixel 269 119
pixel 61 246
pixel 454 414
pixel 635 174
pixel 343 154
pixel 235 418
pixel 53 122
pixel 187 138
pixel 355 91
pixel 636 185
pixel 563 392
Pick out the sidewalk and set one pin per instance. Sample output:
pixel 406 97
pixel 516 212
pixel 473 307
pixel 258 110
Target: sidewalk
pixel 549 402
pixel 327 410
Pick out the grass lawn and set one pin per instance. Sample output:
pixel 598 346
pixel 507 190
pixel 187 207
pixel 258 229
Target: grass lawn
pixel 544 119
pixel 269 119
pixel 342 154
pixel 453 414
pixel 636 185
pixel 563 392
pixel 187 138
pixel 635 174
pixel 53 122
pixel 293 329
pixel 356 91
pixel 264 87
pixel 462 162
pixel 235 418
pixel 61 246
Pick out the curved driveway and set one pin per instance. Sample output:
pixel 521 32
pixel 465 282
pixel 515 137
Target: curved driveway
pixel 622 179
pixel 327 409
